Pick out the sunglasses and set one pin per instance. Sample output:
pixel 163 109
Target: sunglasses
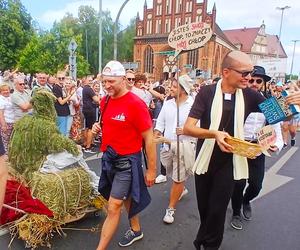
pixel 243 73
pixel 258 81
pixel 130 79
pixel 22 84
pixel 61 78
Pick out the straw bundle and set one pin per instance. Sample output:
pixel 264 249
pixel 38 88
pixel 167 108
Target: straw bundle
pixel 36 230
pixel 64 192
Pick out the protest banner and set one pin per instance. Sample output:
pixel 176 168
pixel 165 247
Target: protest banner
pixel 189 36
pixel 266 137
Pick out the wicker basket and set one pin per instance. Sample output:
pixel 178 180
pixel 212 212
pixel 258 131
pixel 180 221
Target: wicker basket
pixel 244 148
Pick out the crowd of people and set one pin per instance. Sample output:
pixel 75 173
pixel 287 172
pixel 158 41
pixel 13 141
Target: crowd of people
pixel 129 114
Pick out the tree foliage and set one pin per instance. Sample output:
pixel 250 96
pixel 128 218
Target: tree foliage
pixel 126 42
pixel 48 50
pixel 16 31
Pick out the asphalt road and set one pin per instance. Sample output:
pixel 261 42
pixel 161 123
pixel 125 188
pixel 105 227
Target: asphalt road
pixel 275 224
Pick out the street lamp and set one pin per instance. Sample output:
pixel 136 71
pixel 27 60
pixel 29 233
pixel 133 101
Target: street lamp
pixel 100 36
pixel 282 9
pixel 116 29
pixel 292 64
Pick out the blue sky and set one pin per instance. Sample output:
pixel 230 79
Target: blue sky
pixel 231 14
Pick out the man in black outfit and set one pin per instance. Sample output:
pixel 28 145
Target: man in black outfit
pixel 214 179
pixel 90 102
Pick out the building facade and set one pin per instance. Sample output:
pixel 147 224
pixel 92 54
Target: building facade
pixel 151 49
pixel 264 49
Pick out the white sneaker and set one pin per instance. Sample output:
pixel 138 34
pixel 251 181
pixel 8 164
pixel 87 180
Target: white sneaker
pixel 184 192
pixel 169 216
pixel 160 179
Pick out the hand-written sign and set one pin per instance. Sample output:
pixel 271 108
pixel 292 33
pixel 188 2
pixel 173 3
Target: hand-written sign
pixel 189 36
pixel 266 137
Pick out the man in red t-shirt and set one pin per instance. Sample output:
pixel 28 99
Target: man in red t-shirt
pixel 125 124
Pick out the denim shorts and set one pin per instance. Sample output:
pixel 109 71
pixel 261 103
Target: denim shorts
pixel 121 184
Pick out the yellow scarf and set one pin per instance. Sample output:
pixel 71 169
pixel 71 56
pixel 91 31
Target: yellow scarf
pixel 240 164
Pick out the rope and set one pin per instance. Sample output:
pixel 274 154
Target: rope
pixel 64 191
pixel 80 188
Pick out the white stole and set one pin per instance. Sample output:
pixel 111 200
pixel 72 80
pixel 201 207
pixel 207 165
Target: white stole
pixel 240 164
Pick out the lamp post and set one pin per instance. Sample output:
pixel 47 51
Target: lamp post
pixel 282 9
pixel 292 64
pixel 100 36
pixel 116 29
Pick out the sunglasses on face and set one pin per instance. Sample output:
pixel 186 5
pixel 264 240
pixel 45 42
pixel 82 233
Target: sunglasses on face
pixel 22 84
pixel 258 81
pixel 61 78
pixel 130 79
pixel 243 73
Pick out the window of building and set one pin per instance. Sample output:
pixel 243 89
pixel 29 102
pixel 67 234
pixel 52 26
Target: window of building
pixel 158 26
pixel 188 19
pixel 168 7
pixel 159 10
pixel 140 32
pixel 168 25
pixel 189 6
pixel 193 57
pixel 177 22
pixel 148 61
pixel 149 24
pixel 178 6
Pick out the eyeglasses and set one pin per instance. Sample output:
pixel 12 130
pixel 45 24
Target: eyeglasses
pixel 258 81
pixel 243 73
pixel 130 79
pixel 22 84
pixel 61 78
pixel 42 77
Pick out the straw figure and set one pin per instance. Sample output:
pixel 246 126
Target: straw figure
pixel 36 136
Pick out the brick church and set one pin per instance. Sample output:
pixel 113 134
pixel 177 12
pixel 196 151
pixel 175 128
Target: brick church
pixel 151 41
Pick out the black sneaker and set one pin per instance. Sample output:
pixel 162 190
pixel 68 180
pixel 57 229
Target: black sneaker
pixel 130 237
pixel 284 145
pixel 247 211
pixel 293 142
pixel 236 222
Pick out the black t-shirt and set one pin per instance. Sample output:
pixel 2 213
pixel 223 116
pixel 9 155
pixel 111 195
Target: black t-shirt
pixel 2 150
pixel 202 107
pixel 61 110
pixel 87 99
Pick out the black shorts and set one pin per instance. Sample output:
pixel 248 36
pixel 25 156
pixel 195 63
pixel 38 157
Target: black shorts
pixel 90 119
pixel 121 185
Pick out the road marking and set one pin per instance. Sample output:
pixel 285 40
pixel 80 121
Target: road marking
pixel 273 180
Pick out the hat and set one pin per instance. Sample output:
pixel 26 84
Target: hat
pixel 114 68
pixel 186 83
pixel 260 72
pixel 279 84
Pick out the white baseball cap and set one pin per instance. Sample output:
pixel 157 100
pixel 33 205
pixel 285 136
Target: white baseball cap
pixel 186 82
pixel 113 68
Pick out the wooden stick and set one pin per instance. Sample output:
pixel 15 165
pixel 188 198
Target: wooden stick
pixel 15 209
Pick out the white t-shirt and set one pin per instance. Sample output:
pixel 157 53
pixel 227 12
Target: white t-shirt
pixel 7 107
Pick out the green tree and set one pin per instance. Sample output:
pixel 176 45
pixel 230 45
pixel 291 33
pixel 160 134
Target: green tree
pixel 16 31
pixel 49 51
pixel 126 42
pixel 89 21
